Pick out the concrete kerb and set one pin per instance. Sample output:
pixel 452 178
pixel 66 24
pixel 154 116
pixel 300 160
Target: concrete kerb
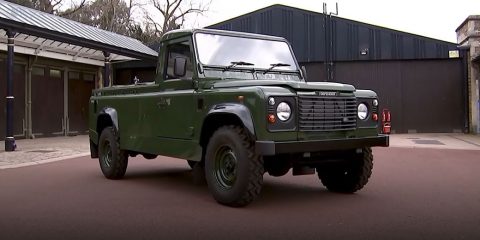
pixel 32 152
pixel 43 161
pixel 44 150
pixel 436 141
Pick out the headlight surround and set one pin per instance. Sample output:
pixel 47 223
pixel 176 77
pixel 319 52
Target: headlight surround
pixel 284 111
pixel 362 111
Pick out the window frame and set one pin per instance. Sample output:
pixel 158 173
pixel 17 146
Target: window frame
pixel 166 55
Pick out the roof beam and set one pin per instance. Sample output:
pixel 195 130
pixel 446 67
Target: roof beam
pixel 59 56
pixel 39 48
pixel 77 54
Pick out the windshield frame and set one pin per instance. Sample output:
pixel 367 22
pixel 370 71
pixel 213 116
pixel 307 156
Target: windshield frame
pixel 240 67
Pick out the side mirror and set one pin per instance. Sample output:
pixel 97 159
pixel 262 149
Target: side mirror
pixel 304 72
pixel 180 66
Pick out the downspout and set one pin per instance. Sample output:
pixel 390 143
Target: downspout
pixel 28 98
pixel 66 122
pixel 325 45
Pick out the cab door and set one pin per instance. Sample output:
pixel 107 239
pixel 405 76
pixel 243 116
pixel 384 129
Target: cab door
pixel 176 102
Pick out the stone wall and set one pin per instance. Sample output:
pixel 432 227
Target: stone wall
pixel 468 37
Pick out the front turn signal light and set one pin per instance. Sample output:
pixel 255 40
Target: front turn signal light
pixel 375 117
pixel 271 118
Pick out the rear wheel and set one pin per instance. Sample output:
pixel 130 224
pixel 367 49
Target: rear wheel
pixel 350 176
pixel 113 161
pixel 234 172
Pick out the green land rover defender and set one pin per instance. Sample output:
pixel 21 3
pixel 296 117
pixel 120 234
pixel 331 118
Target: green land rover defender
pixel 236 105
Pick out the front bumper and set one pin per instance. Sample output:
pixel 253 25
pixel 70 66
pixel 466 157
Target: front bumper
pixel 270 148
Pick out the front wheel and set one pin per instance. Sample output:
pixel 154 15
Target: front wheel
pixel 113 160
pixel 234 172
pixel 349 176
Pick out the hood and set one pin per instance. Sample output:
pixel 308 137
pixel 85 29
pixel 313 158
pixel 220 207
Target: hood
pixel 297 85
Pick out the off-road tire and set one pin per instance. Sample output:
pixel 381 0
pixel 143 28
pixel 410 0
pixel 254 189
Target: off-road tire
pixel 233 144
pixel 349 177
pixel 113 160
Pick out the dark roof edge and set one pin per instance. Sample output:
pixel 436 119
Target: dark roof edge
pixel 75 40
pixel 313 12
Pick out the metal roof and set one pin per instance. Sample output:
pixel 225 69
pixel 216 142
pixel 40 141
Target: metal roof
pixel 49 34
pixel 316 37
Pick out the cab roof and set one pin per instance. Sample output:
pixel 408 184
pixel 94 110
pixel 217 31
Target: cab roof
pixel 186 32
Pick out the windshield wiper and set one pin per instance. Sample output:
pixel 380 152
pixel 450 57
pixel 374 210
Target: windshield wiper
pixel 274 65
pixel 239 63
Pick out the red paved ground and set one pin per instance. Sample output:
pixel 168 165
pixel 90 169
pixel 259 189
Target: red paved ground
pixel 413 194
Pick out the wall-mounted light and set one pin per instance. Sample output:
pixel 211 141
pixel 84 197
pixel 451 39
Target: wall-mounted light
pixel 364 51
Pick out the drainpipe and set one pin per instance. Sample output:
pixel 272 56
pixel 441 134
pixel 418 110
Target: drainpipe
pixel 10 145
pixel 66 121
pixel 106 74
pixel 28 98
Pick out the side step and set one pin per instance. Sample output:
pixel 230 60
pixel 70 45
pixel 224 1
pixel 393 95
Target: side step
pixel 302 170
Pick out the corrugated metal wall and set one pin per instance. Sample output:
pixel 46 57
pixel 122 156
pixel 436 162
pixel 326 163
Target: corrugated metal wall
pixel 338 40
pixel 423 95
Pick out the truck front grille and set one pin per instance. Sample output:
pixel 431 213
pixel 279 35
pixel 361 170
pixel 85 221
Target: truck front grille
pixel 318 113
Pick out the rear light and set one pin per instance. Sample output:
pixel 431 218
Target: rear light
pixel 386 121
pixel 386 115
pixel 375 117
pixel 386 129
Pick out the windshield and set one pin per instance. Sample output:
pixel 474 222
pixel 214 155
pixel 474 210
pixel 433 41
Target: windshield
pixel 220 50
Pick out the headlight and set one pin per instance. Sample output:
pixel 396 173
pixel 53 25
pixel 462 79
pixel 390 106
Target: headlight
pixel 283 111
pixel 362 111
pixel 375 102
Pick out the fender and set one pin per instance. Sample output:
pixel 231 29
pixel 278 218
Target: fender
pixel 239 110
pixel 112 113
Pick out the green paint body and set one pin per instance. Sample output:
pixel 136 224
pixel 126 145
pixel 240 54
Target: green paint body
pixel 166 117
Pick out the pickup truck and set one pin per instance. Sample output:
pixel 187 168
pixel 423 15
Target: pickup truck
pixel 236 106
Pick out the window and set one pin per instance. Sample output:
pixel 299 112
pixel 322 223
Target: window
pixel 74 75
pixel 54 73
pixel 181 49
pixel 220 50
pixel 37 71
pixel 88 77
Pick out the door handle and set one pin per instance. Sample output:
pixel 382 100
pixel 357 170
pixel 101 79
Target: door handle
pixel 163 102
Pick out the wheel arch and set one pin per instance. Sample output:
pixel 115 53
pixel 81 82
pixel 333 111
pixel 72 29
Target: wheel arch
pixel 107 117
pixel 226 114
